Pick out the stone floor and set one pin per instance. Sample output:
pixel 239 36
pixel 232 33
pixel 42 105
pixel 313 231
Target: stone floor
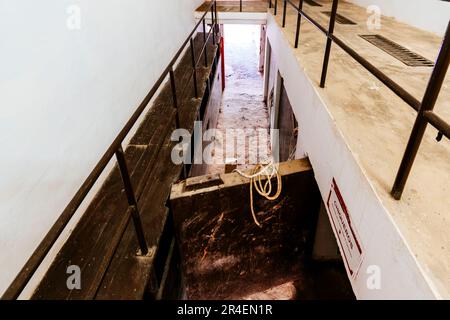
pixel 243 105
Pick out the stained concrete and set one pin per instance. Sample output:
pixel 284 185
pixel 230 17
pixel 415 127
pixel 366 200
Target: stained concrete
pixel 376 125
pixel 242 104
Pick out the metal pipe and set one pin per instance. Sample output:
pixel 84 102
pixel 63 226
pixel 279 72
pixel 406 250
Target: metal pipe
pixel 398 90
pixel 212 25
pixel 222 53
pixel 284 13
pixel 216 25
pixel 177 55
pixel 204 42
pixel 215 12
pixel 174 98
pixel 423 116
pixel 131 200
pixel 328 45
pixel 194 67
pixel 204 49
pixel 437 122
pixel 299 17
pixel 307 17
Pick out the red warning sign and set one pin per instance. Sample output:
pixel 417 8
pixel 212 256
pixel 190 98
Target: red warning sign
pixel 351 248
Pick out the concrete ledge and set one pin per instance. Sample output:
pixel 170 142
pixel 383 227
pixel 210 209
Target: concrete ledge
pixel 405 240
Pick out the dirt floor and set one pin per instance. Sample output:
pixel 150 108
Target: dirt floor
pixel 243 104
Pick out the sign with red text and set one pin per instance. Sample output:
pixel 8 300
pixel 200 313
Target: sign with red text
pixel 351 249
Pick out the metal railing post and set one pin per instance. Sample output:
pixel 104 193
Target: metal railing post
pixel 299 19
pixel 328 45
pixel 194 67
pixel 284 13
pixel 270 4
pixel 428 102
pixel 175 101
pixel 174 97
pixel 216 23
pixel 215 12
pixel 133 206
pixel 204 42
pixel 213 25
pixel 275 8
pixel 240 6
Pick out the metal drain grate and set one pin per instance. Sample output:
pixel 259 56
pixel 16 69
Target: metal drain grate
pixel 340 18
pixel 313 3
pixel 406 56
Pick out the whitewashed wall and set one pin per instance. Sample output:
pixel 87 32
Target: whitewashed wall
pixel 65 93
pixel 430 15
pixel 330 157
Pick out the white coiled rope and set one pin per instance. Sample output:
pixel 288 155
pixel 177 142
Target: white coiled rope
pixel 264 189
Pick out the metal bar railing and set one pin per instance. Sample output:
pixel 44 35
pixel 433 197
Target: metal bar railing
pixel 194 67
pixel 216 22
pixel 392 85
pixel 203 51
pixel 299 19
pixel 132 202
pixel 115 149
pixel 326 58
pixel 212 22
pixel 424 108
pixel 204 41
pixel 425 116
pixel 174 97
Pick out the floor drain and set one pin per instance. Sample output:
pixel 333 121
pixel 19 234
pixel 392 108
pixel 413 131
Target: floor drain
pixel 399 52
pixel 340 18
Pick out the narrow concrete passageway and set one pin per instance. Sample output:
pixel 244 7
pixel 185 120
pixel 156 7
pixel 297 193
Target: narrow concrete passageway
pixel 243 105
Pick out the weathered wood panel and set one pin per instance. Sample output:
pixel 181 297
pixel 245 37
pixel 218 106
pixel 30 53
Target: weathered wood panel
pixel 224 253
pixel 103 243
pixel 211 115
pixel 141 275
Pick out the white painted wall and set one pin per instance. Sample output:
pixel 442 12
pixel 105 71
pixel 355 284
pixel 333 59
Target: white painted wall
pixel 330 157
pixel 64 96
pixel 430 15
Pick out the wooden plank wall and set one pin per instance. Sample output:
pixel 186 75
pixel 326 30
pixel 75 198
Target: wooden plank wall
pixel 224 254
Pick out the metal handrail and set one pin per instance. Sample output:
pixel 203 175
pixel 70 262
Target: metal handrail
pixel 115 149
pixel 424 108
